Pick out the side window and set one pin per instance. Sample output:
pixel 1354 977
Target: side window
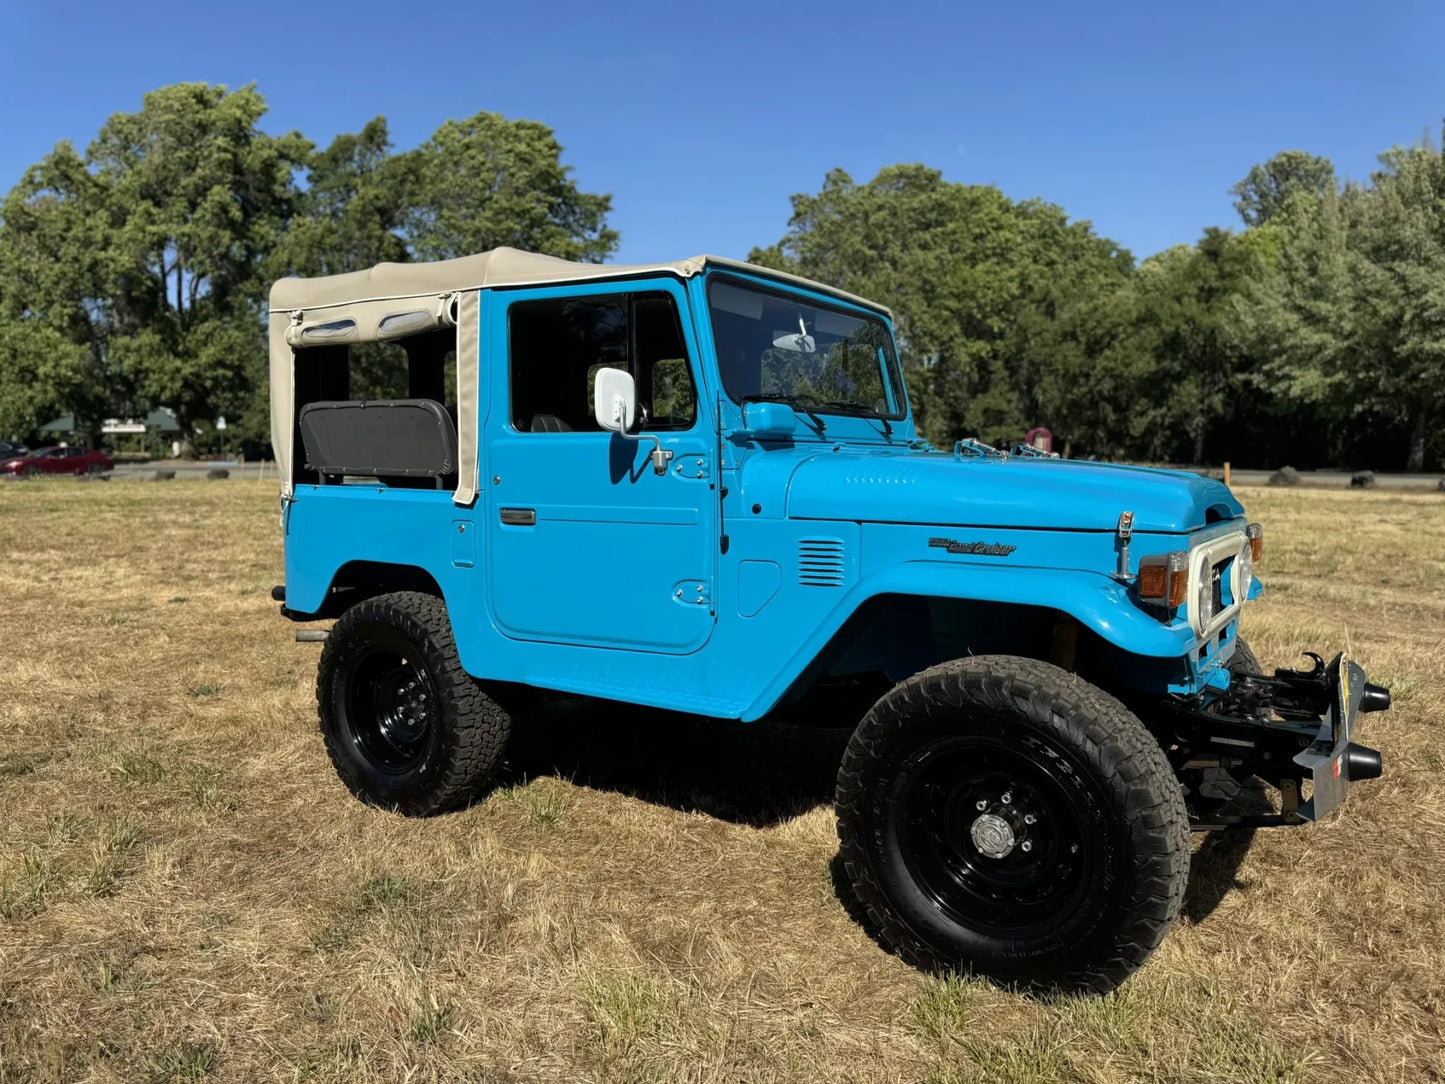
pixel 664 382
pixel 557 345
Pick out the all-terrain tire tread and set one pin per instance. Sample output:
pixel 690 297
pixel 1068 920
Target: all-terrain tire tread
pixel 1244 660
pixel 477 728
pixel 1118 748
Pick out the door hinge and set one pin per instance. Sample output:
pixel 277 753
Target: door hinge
pixel 690 466
pixel 693 593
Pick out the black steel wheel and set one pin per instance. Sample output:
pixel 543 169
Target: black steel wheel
pixel 1000 815
pixel 391 701
pixel 406 727
pixel 994 830
pixel 30 470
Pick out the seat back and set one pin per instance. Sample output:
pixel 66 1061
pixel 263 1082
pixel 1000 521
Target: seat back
pixel 383 438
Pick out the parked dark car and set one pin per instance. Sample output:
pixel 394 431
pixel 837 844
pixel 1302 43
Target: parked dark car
pixel 10 450
pixel 57 461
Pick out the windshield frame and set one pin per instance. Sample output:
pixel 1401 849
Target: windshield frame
pixel 892 370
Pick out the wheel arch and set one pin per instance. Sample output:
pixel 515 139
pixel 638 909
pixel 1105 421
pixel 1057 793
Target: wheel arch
pixel 919 614
pixel 355 581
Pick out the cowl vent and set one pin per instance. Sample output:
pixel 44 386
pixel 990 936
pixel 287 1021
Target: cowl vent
pixel 820 562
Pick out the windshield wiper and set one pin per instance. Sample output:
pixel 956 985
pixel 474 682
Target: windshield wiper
pixel 797 402
pixel 849 406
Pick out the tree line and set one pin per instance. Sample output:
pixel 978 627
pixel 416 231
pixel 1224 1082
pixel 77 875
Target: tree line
pixel 134 275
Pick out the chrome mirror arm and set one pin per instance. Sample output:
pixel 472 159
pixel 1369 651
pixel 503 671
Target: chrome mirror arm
pixel 660 456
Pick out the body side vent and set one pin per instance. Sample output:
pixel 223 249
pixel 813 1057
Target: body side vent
pixel 820 562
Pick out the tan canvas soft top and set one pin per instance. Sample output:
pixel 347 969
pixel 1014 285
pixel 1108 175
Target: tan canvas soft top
pixel 392 300
pixel 496 268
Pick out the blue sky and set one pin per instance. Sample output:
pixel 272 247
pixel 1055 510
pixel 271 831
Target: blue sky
pixel 701 119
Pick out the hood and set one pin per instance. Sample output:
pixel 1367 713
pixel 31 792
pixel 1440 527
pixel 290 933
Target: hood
pixel 1059 494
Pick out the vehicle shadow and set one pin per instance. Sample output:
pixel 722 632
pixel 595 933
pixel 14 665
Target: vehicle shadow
pixel 1215 865
pixel 758 774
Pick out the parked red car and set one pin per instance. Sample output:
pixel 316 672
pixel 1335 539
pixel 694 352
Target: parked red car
pixel 57 461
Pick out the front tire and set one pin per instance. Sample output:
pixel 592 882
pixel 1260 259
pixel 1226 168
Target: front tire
pixel 1244 661
pixel 405 726
pixel 1000 815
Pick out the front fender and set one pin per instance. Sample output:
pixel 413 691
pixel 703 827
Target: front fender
pixel 1097 602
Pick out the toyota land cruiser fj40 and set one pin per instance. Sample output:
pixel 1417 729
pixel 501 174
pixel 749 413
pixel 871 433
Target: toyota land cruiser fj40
pixel 698 486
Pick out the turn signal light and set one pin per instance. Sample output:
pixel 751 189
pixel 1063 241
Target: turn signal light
pixel 1164 578
pixel 1255 533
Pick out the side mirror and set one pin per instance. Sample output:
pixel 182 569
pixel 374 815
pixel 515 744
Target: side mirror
pixel 614 399
pixel 614 404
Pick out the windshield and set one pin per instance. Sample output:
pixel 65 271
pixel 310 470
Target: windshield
pixel 776 346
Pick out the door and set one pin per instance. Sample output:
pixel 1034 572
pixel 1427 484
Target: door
pixel 586 543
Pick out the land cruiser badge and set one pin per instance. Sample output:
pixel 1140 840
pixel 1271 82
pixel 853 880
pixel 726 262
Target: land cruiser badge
pixel 982 549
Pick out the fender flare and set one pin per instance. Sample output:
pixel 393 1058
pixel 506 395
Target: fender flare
pixel 1097 602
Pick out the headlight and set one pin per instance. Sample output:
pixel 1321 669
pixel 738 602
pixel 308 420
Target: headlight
pixel 1244 563
pixel 1204 598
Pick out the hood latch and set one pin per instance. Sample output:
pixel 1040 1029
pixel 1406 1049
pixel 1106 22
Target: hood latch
pixel 1125 530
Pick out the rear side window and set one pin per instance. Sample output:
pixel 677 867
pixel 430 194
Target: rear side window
pixel 557 345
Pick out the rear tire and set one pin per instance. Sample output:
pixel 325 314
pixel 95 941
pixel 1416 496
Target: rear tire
pixel 406 727
pixel 1000 815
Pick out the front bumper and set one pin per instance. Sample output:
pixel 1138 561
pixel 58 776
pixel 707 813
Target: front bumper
pixel 1293 730
pixel 1332 761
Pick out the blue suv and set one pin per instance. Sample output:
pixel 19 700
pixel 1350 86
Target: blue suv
pixel 698 486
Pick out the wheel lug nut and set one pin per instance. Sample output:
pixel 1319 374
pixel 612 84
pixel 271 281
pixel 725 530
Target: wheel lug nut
pixel 1026 845
pixel 1007 797
pixel 1073 848
pixel 1029 818
pixel 980 805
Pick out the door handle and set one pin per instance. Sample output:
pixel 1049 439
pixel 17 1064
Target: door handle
pixel 519 517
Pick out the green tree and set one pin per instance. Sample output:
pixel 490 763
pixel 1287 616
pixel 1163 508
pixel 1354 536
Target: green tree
pixel 1395 364
pixel 163 230
pixel 978 284
pixel 1268 186
pixel 53 284
pixel 353 208
pixel 487 182
pixel 1187 324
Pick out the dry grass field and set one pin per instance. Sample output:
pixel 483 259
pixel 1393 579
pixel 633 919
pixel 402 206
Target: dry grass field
pixel 187 893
